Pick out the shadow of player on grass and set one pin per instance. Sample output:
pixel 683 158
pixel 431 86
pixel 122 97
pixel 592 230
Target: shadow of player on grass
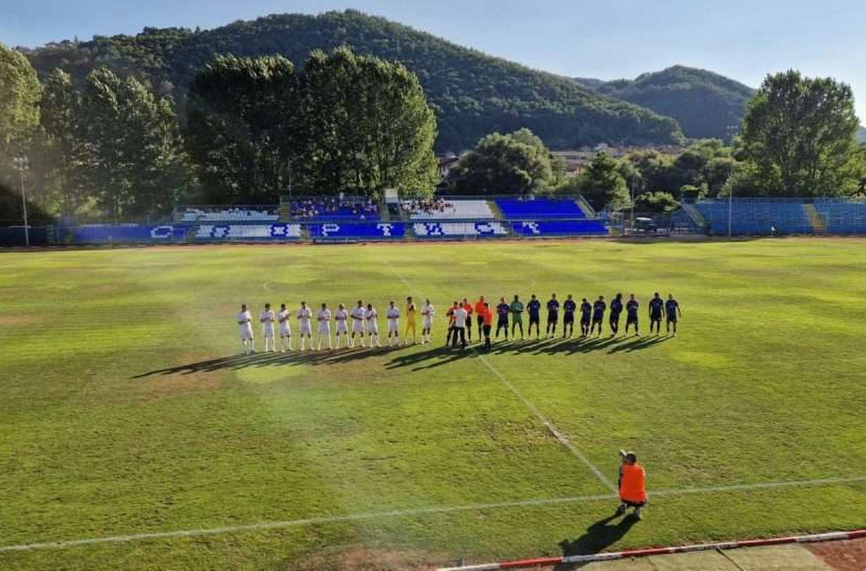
pixel 598 537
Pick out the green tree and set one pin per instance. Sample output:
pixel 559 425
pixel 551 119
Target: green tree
pixel 242 128
pixel 20 92
pixel 656 202
pixel 798 138
pixel 601 184
pixel 367 127
pixel 517 163
pixel 59 108
pixel 131 154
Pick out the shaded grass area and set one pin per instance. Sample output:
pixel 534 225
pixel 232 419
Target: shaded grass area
pixel 124 408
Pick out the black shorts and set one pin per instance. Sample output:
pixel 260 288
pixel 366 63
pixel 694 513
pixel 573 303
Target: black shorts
pixel 597 318
pixel 672 318
pixel 552 317
pixel 633 504
pixel 534 319
pixel 614 317
pixel 502 322
pixel 480 321
pixel 568 318
pixel 655 317
pixel 631 319
pixel 486 330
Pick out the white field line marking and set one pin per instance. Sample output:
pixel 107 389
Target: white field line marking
pixel 266 525
pixel 560 436
pixel 267 286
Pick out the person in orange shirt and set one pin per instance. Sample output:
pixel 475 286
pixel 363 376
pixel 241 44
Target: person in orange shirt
pixel 479 314
pixel 468 307
pixel 486 317
pixel 632 485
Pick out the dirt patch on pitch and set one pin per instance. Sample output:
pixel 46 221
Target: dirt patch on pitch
pixel 17 320
pixel 362 559
pixel 842 555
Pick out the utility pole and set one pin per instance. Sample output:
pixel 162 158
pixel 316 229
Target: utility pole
pixel 732 131
pixel 22 164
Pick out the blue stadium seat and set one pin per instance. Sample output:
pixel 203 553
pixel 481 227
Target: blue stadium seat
pixel 445 230
pixel 538 208
pixel 559 228
pixel 247 232
pixel 338 231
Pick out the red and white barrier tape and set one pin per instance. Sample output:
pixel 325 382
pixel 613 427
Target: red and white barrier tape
pixel 548 561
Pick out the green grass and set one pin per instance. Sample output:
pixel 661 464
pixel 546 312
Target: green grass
pixel 108 427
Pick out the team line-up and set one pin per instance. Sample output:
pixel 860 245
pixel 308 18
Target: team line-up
pixel 365 321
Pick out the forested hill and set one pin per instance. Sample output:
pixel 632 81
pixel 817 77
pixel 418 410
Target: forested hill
pixel 704 103
pixel 473 94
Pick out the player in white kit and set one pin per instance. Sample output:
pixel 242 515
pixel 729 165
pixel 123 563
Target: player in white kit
pixel 305 315
pixel 267 319
pixel 358 315
pixel 393 324
pixel 285 329
pixel 371 324
pixel 427 313
pixel 245 330
pixel 341 318
pixel 324 319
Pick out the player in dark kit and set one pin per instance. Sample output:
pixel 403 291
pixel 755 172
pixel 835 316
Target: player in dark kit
pixel 672 308
pixel 598 309
pixel 631 309
pixel 568 308
pixel 552 315
pixel 656 310
pixel 502 311
pixel 534 308
pixel 585 315
pixel 615 312
pixel 516 316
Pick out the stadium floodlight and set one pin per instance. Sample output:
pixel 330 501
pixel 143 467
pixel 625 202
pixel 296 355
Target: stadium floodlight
pixel 22 164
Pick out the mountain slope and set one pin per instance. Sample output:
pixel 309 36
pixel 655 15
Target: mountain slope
pixel 473 94
pixel 705 104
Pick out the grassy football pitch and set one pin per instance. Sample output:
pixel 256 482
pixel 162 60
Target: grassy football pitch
pixel 125 410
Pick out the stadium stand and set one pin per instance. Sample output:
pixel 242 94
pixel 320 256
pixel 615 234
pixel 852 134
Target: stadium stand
pixel 756 216
pixel 357 231
pixel 244 232
pixel 448 209
pixel 842 217
pixel 121 233
pixel 346 208
pixel 226 214
pixel 440 230
pixel 559 228
pixel 538 208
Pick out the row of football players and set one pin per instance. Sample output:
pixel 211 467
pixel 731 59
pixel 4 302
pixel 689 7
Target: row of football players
pixel 365 321
pixel 364 326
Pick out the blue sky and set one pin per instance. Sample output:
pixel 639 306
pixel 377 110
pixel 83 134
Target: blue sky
pixel 741 39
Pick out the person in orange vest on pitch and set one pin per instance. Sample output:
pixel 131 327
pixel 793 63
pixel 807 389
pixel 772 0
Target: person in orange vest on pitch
pixel 632 484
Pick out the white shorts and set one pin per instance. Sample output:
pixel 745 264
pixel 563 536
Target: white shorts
pixel 342 327
pixel 285 331
pixel 357 326
pixel 427 323
pixel 373 327
pixel 393 326
pixel 306 329
pixel 245 331
pixel 324 328
pixel 268 330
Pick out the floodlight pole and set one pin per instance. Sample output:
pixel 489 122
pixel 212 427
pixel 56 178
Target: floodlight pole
pixel 22 164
